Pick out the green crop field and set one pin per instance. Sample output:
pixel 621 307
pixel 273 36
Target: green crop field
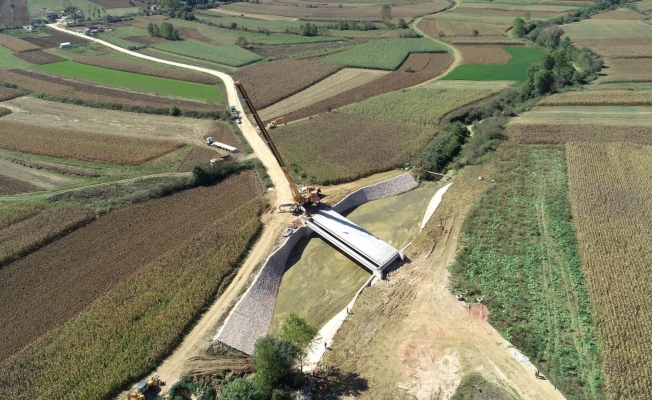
pixel 514 70
pixel 134 81
pixel 386 54
pixel 228 54
pixel 420 106
pixel 8 61
pixel 520 253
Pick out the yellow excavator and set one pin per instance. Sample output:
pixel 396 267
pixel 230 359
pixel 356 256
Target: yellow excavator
pixel 303 197
pixel 274 123
pixel 146 389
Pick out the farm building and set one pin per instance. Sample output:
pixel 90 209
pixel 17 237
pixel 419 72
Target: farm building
pixel 65 45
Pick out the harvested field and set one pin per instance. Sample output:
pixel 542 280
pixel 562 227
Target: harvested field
pixel 81 145
pixel 619 48
pixel 39 57
pixel 145 40
pixel 151 70
pixel 620 14
pixel 432 66
pixel 23 237
pixel 270 82
pixel 54 38
pixel 68 275
pixel 14 186
pixel 627 78
pixel 481 40
pixel 339 147
pixel 628 66
pixel 50 114
pixel 43 176
pixel 493 12
pixel 465 29
pixel 187 32
pixel 199 155
pixel 142 22
pixel 612 211
pixel 483 54
pixel 429 28
pixel 17 45
pixel 625 98
pixel 109 4
pixel 221 132
pixel 522 8
pixel 101 96
pixel 421 106
pixel 335 84
pixel 387 54
pixel 563 133
pixel 14 13
pixel 590 115
pixel 608 29
pixel 8 94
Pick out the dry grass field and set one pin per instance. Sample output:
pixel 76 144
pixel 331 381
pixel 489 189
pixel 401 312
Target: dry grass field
pixel 8 94
pixel 520 8
pixel 17 45
pixel 621 66
pixel 68 275
pixel 563 133
pixel 151 70
pixel 620 14
pixel 341 81
pixel 612 209
pixel 13 186
pixel 94 94
pixel 80 145
pixel 483 54
pixel 14 212
pixel 634 79
pixel 622 98
pixel 619 48
pixel 596 29
pixel 424 66
pixel 33 111
pixel 39 57
pixel 272 82
pixel 591 115
pixel 23 237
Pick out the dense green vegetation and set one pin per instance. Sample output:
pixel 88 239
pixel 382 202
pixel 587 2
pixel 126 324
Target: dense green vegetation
pixel 386 54
pixel 8 61
pixel 134 81
pixel 521 256
pixel 514 70
pixel 228 54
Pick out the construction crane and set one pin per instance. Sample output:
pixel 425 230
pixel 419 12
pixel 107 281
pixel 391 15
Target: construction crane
pixel 307 195
pixel 274 123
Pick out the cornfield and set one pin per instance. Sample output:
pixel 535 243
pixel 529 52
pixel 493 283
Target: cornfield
pixel 22 237
pixel 612 206
pixel 15 212
pixel 621 98
pixel 127 332
pixel 8 94
pixel 627 78
pixel 84 146
pixel 562 133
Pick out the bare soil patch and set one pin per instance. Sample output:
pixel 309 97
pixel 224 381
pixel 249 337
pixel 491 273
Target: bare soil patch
pixel 13 186
pixel 17 45
pixel 14 13
pixel 151 70
pixel 55 37
pixel 620 14
pixel 39 57
pixel 271 82
pixel 432 65
pixel 51 114
pixel 8 94
pixel 199 155
pixel 96 94
pixel 483 54
pixel 429 27
pixel 66 276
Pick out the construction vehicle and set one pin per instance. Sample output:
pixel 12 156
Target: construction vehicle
pixel 277 121
pixel 307 195
pixel 146 389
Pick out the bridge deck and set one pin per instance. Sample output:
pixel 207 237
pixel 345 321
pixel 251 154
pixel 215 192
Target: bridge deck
pixel 367 249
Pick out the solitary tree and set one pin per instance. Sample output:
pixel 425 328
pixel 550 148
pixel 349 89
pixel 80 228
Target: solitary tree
pixel 242 41
pixel 300 333
pixel 241 389
pixel 401 23
pixel 519 27
pixel 386 14
pixel 273 360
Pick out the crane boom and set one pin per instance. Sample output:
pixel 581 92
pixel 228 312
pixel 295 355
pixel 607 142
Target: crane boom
pixel 296 194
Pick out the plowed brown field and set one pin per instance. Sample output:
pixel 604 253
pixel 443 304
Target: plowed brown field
pixel 12 186
pixel 425 67
pixel 199 155
pixel 271 82
pixel 55 37
pixel 17 45
pixel 45 289
pixel 483 54
pixel 39 57
pixel 96 94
